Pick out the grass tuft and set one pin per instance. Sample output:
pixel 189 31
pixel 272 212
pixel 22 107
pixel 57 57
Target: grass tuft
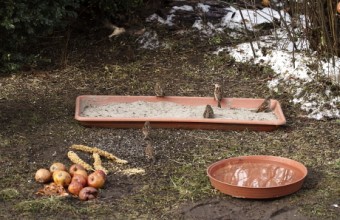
pixel 8 194
pixel 50 205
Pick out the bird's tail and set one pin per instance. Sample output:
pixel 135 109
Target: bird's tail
pixel 219 104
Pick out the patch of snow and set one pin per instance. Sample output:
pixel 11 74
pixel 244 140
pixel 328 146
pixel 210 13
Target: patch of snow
pixel 182 8
pixel 169 20
pixel 149 40
pixel 207 29
pixel 333 71
pixel 155 17
pixel 219 50
pixel 198 25
pixel 204 8
pixel 292 61
pixel 294 75
pixel 233 19
pixel 159 19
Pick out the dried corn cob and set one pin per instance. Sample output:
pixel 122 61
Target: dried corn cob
pixel 98 163
pixel 98 151
pixel 76 159
pixel 133 171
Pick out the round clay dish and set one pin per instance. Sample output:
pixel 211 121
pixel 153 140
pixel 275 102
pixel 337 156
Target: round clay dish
pixel 257 177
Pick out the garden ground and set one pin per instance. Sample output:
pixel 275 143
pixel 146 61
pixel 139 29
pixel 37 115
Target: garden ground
pixel 38 127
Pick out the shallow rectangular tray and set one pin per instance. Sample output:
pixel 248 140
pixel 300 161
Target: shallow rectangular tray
pixel 185 123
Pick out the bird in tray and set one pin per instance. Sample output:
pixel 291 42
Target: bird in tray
pixel 218 93
pixel 159 91
pixel 149 152
pixel 265 106
pixel 146 130
pixel 209 112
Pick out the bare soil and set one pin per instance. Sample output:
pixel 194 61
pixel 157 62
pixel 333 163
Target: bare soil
pixel 38 127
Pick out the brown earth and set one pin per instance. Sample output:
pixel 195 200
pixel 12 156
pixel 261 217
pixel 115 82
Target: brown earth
pixel 38 126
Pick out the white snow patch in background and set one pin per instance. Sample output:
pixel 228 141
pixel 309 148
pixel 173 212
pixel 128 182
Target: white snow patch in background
pixel 233 19
pixel 281 62
pixel 149 40
pixel 207 29
pixel 292 74
pixel 198 25
pixel 182 8
pixel 169 20
pixel 204 8
pixel 155 17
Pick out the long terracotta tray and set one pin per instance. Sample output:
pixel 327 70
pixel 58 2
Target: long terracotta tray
pixel 185 123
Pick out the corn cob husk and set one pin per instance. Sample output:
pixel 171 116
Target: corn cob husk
pixel 76 159
pixel 97 164
pixel 52 189
pixel 98 151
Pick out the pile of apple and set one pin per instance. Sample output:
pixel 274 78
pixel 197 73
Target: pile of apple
pixel 76 180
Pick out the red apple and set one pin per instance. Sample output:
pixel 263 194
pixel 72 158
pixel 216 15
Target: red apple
pixel 57 166
pixel 79 178
pixel 43 176
pixel 88 193
pixel 101 173
pixel 74 168
pixel 95 180
pixel 61 177
pixel 75 187
pixel 81 172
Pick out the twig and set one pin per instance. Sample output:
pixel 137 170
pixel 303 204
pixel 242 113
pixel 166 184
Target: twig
pixel 245 27
pixel 63 59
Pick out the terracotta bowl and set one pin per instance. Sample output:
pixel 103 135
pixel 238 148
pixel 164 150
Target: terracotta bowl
pixel 257 177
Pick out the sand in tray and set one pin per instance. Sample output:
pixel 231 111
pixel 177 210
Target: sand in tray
pixel 142 109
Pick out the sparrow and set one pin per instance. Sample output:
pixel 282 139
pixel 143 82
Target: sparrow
pixel 209 112
pixel 265 106
pixel 149 152
pixel 218 94
pixel 159 90
pixel 129 54
pixel 146 130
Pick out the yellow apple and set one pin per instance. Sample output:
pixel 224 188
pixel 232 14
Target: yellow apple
pixel 61 177
pixel 57 166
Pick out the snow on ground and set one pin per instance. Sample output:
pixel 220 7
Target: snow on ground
pixel 294 63
pixel 251 18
